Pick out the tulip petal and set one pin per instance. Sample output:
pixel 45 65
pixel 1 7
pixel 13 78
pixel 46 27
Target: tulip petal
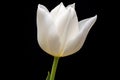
pixel 58 10
pixel 55 38
pixel 44 22
pixel 76 43
pixel 71 29
pixel 62 21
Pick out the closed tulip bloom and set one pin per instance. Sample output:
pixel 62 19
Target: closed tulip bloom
pixel 58 32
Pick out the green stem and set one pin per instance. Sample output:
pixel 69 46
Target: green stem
pixel 54 67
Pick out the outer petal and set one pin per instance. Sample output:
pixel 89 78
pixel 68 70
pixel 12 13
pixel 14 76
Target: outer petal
pixel 68 28
pixel 44 22
pixel 57 11
pixel 56 38
pixel 72 27
pixel 76 43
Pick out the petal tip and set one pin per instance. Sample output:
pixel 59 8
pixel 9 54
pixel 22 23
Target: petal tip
pixel 42 7
pixel 94 18
pixel 73 5
pixel 61 4
pixel 39 5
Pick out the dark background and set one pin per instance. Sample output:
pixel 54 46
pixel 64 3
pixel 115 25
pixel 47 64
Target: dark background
pixel 93 61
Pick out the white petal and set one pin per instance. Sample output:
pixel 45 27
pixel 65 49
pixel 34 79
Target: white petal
pixel 55 34
pixel 60 9
pixel 55 39
pixel 76 43
pixel 67 27
pixel 44 22
pixel 72 27
pixel 62 21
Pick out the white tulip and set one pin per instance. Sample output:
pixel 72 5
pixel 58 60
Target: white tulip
pixel 58 32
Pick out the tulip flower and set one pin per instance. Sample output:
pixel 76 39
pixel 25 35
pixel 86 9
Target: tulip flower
pixel 59 33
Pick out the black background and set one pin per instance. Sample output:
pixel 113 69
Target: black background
pixel 93 61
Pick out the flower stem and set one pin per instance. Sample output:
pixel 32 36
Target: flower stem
pixel 54 67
